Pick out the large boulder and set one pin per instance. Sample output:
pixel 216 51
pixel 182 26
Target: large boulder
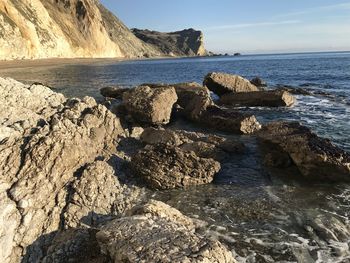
pixel 157 232
pixel 150 105
pixel 288 143
pixel 164 167
pixel 49 177
pixel 222 83
pixel 196 104
pixel 270 98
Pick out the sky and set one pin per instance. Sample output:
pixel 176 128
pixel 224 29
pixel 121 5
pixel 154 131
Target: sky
pixel 249 26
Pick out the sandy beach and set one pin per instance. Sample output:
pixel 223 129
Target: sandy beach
pixel 56 61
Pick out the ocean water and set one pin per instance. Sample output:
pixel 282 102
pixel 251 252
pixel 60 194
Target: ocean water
pixel 260 218
pixel 328 115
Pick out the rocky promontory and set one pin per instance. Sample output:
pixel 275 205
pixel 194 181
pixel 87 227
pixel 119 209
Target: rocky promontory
pixel 188 42
pixel 78 177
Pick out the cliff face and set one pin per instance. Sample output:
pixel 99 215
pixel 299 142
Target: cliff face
pixel 33 29
pixel 187 42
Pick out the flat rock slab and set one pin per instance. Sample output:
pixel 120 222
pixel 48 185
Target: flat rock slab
pixel 290 143
pixel 157 232
pixel 222 83
pixel 163 167
pixel 226 120
pixel 258 99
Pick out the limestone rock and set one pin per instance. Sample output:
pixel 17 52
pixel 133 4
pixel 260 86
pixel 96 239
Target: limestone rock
pixel 164 167
pixel 150 105
pixel 316 158
pixel 188 42
pixel 23 106
pixel 258 99
pixel 159 233
pixel 71 28
pixel 98 195
pixel 39 166
pixel 221 83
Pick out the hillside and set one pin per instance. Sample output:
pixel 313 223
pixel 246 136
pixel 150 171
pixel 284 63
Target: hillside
pixel 34 29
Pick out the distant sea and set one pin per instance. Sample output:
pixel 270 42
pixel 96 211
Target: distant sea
pixel 329 73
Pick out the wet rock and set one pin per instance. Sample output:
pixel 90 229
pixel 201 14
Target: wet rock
pixel 159 233
pixel 222 83
pixel 97 196
pixel 258 99
pixel 163 167
pixel 294 90
pixel 316 158
pixel 150 105
pixel 258 82
pixel 222 119
pixel 114 92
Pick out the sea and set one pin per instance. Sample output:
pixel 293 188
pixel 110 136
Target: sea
pixel 260 218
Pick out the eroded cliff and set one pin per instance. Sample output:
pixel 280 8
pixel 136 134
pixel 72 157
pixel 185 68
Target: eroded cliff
pixel 33 29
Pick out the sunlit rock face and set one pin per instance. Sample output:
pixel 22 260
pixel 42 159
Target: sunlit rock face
pixel 33 29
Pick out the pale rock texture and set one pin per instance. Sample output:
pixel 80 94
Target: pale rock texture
pixel 98 193
pixel 156 232
pixel 32 29
pixel 50 173
pixel 22 106
pixel 150 105
pixel 164 167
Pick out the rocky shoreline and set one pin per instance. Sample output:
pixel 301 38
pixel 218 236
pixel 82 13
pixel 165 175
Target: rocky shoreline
pixel 78 176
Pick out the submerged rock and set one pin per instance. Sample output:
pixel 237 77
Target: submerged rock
pixel 293 144
pixel 150 105
pixel 222 83
pixel 114 92
pixel 258 99
pixel 259 82
pixel 164 167
pixel 157 232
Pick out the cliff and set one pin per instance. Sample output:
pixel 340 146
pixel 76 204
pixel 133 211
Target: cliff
pixel 188 42
pixel 33 29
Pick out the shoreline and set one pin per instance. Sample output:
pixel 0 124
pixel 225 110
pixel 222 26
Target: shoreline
pixel 28 63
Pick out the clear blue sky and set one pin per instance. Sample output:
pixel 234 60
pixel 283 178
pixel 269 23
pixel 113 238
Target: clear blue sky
pixel 251 26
